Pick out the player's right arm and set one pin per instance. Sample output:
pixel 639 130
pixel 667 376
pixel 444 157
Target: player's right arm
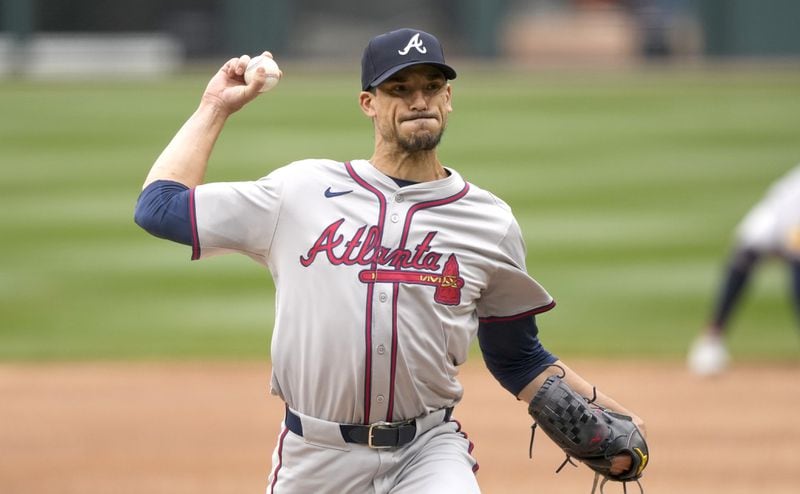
pixel 185 158
pixel 163 208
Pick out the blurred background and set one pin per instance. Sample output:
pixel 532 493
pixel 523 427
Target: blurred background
pixel 42 37
pixel 629 137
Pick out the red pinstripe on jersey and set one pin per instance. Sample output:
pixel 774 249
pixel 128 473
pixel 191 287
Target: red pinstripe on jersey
pixel 280 460
pixel 193 219
pixel 370 289
pixel 403 239
pixel 514 317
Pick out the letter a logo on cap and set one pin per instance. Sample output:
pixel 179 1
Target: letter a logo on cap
pixel 415 43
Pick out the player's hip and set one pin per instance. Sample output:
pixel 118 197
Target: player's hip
pixel 318 462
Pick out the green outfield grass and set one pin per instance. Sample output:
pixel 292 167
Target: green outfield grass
pixel 627 185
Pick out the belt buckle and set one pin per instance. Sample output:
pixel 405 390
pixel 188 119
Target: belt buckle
pixel 381 425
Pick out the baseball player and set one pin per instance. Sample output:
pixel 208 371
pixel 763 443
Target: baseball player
pixel 385 271
pixel 771 228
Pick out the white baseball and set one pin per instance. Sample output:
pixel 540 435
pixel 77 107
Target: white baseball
pixel 273 72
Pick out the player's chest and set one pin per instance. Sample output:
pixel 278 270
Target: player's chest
pixel 397 243
pixel 397 232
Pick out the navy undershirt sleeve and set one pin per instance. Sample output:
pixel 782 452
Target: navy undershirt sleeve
pixel 512 352
pixel 163 210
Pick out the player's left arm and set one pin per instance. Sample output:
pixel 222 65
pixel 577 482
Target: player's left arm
pixel 580 386
pixel 516 358
pixel 620 463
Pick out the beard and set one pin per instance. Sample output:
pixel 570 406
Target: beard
pixel 420 141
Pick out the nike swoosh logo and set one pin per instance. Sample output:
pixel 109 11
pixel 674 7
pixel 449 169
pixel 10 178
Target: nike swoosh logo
pixel 329 193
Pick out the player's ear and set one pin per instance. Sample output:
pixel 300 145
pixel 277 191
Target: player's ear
pixel 449 98
pixel 366 100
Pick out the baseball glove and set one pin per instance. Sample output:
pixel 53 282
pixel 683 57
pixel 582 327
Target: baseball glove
pixel 588 432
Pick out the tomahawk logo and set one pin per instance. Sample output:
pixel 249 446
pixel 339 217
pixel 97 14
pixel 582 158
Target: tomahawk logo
pixel 447 285
pixel 415 43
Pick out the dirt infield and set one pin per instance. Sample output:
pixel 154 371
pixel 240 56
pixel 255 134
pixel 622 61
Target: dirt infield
pixel 210 428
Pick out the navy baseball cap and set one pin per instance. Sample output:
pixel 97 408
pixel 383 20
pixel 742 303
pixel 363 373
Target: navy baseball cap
pixel 389 53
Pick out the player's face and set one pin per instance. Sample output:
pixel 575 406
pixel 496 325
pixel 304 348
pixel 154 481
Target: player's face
pixel 410 109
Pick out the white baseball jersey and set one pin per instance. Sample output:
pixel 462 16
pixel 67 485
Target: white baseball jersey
pixel 773 225
pixel 379 288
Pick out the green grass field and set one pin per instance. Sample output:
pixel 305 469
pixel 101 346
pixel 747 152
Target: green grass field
pixel 627 185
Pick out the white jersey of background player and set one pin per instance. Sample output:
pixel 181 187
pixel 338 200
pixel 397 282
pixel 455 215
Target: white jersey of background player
pixel 770 228
pixel 385 271
pixel 773 224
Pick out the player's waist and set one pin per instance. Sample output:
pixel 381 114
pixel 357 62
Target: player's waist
pixel 379 435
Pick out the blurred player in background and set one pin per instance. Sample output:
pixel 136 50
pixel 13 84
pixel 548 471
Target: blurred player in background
pixel 770 229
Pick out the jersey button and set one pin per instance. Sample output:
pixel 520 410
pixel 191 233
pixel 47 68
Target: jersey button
pixel 399 198
pixel 381 349
pixel 379 398
pixel 383 297
pixel 395 218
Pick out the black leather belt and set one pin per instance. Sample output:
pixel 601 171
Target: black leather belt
pixel 379 435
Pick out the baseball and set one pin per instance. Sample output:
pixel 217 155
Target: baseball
pixel 273 72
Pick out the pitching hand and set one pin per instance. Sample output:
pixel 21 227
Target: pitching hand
pixel 228 91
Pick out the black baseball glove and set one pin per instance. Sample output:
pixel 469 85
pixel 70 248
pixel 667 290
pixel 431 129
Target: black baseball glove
pixel 588 432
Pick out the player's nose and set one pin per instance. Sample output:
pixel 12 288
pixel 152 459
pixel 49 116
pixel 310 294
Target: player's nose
pixel 418 101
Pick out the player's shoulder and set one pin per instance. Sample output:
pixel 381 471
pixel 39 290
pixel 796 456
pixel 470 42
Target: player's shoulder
pixel 792 176
pixel 305 171
pixel 309 166
pixel 486 199
pixel 487 212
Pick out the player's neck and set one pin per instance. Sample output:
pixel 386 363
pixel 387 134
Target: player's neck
pixel 420 166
